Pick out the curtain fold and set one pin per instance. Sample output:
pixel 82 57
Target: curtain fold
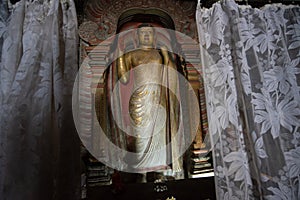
pixel 39 155
pixel 251 70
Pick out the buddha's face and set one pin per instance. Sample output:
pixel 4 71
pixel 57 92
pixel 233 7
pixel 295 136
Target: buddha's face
pixel 146 35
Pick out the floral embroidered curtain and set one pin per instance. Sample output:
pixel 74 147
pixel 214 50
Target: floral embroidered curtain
pixel 39 147
pixel 251 70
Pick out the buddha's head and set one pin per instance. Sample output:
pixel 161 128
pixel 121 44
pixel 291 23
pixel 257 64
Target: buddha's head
pixel 146 35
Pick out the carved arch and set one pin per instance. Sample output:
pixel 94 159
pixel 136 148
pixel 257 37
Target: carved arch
pixel 102 16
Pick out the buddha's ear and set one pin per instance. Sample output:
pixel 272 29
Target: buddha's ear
pixel 136 36
pixel 136 39
pixel 155 42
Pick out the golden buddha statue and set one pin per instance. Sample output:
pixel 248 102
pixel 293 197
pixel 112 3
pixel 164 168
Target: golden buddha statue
pixel 153 107
pixel 141 115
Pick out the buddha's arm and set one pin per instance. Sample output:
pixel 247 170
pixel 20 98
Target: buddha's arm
pixel 123 68
pixel 172 75
pixel 167 59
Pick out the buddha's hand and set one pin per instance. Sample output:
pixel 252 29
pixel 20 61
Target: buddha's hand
pixel 165 54
pixel 164 51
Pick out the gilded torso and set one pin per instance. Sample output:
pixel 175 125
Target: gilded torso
pixel 146 64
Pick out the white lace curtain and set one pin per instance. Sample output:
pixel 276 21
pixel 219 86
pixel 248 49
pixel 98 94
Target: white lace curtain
pixel 251 69
pixel 39 147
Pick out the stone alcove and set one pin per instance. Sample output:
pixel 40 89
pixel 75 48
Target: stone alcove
pixel 101 20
